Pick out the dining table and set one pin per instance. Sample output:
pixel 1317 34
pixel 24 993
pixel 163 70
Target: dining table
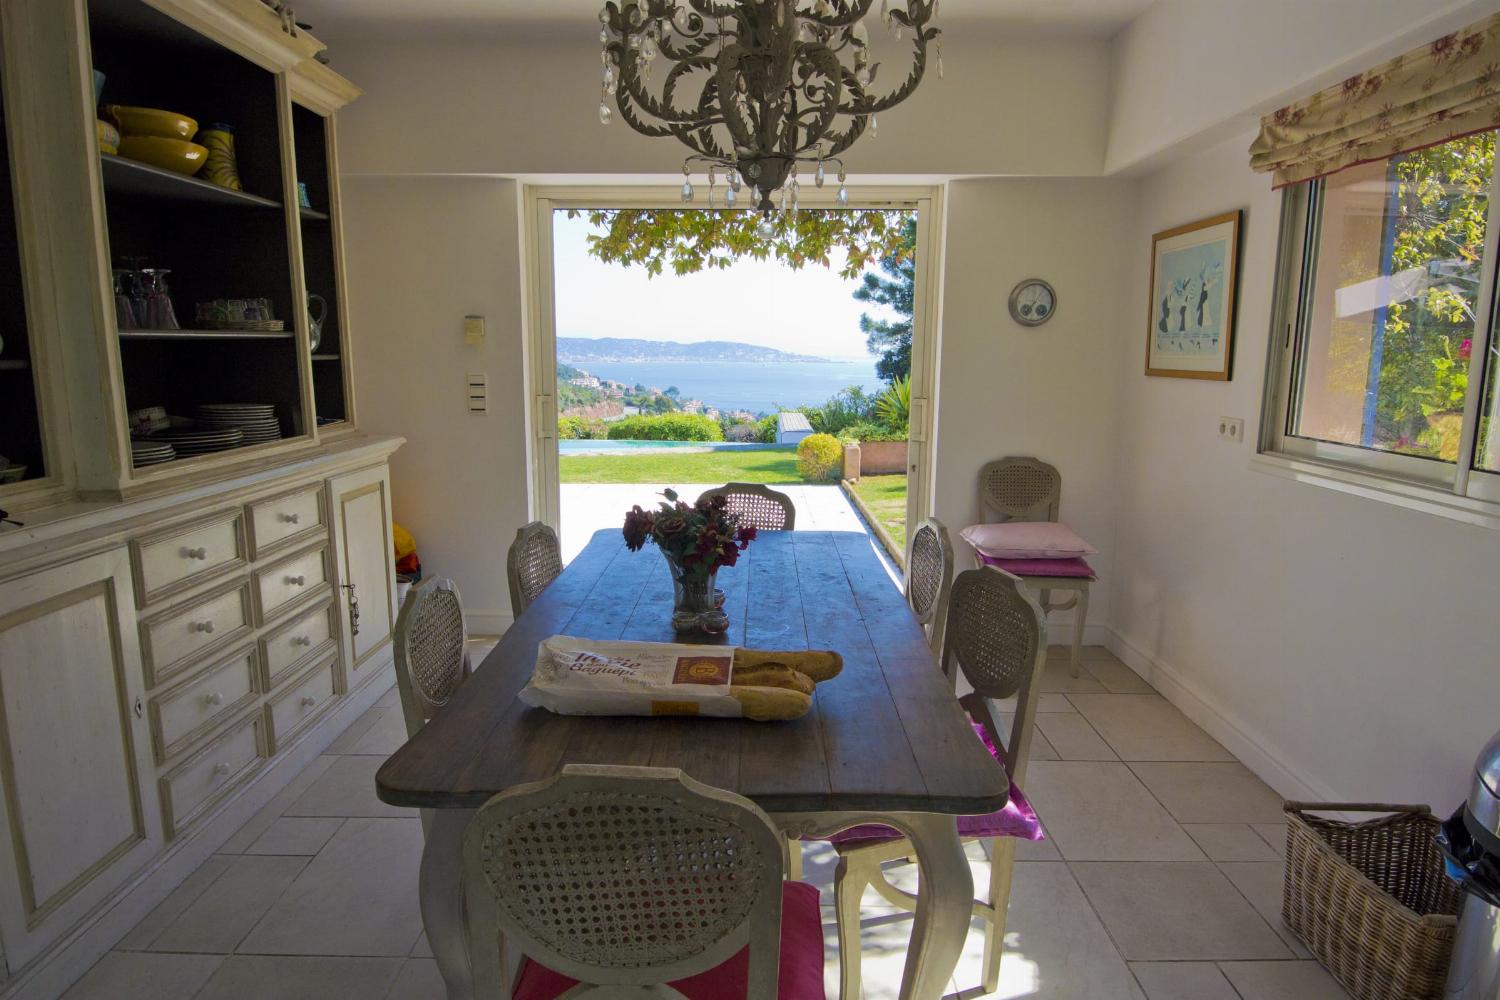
pixel 885 741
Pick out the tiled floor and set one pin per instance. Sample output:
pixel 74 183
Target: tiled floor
pixel 1160 880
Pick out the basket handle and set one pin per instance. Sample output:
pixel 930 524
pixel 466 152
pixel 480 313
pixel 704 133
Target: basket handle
pixel 1348 807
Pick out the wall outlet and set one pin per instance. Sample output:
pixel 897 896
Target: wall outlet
pixel 1232 429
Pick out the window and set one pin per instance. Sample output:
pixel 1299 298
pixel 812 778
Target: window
pixel 1387 281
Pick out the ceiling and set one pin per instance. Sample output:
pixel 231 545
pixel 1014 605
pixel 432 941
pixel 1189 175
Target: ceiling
pixel 330 18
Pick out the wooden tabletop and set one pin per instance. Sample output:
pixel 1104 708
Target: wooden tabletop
pixel 886 734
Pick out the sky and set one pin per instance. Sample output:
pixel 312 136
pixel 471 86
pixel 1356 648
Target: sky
pixel 811 311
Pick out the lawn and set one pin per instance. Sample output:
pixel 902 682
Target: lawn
pixel 886 498
pixel 759 466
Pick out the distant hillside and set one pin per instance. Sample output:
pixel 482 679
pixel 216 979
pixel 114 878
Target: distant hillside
pixel 583 350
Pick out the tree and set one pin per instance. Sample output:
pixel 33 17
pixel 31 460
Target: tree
pixel 887 338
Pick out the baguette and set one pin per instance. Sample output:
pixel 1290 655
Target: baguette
pixel 766 704
pixel 776 675
pixel 817 664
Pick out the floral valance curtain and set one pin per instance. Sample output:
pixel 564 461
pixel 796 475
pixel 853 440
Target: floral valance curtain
pixel 1448 88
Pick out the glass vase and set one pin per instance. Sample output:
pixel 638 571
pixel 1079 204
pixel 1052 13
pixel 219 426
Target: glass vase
pixel 697 605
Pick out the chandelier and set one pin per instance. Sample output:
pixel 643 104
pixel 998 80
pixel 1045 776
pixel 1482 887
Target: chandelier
pixel 780 84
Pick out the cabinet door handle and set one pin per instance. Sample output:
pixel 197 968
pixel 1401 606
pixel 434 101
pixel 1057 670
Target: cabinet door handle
pixel 221 769
pixel 198 553
pixel 308 701
pixel 213 699
pixel 204 626
pixel 296 581
pixel 292 518
pixel 140 709
pixel 301 640
pixel 353 609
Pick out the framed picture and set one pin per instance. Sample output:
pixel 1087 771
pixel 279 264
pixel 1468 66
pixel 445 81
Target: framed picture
pixel 1193 272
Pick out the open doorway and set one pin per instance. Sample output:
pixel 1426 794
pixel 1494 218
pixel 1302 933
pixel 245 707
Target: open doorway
pixel 684 347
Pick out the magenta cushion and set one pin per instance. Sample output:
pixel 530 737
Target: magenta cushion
pixel 800 978
pixel 1073 568
pixel 1027 540
pixel 1017 819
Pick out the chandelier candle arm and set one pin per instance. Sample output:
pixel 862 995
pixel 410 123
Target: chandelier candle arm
pixel 779 82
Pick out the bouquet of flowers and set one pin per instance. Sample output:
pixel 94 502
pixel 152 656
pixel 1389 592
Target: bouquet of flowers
pixel 696 538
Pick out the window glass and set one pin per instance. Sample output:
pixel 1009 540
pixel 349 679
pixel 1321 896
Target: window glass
pixel 1395 257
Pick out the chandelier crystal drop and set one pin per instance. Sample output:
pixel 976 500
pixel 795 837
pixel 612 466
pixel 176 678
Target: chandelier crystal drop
pixel 754 87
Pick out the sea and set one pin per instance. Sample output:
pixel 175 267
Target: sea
pixel 757 386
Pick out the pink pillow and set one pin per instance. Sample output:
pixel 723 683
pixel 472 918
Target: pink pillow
pixel 1027 540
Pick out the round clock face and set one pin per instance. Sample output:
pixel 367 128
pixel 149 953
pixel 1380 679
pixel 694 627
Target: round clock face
pixel 1033 302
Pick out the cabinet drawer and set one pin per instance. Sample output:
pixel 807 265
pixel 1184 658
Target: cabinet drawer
pixel 281 520
pixel 179 638
pixel 303 701
pixel 284 584
pixel 298 643
pixel 188 710
pixel 195 785
pixel 171 561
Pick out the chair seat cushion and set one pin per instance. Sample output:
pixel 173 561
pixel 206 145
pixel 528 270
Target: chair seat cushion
pixel 800 978
pixel 1027 540
pixel 1017 819
pixel 1070 568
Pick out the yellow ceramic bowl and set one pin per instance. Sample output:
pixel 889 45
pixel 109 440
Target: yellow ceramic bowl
pixel 169 154
pixel 109 136
pixel 152 121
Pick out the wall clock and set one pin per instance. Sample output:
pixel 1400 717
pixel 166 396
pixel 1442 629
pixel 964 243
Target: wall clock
pixel 1032 302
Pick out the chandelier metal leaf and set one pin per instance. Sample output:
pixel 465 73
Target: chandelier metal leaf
pixel 779 84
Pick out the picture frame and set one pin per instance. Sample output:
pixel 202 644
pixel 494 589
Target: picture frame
pixel 1192 301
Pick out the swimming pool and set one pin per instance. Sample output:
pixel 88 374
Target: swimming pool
pixel 640 447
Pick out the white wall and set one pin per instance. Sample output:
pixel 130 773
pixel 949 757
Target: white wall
pixel 1353 641
pixel 1049 391
pixel 422 254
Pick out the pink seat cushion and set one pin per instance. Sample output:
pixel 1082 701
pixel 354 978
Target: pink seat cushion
pixel 1074 568
pixel 1027 540
pixel 800 978
pixel 1017 819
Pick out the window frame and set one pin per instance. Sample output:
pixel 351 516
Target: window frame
pixel 1457 486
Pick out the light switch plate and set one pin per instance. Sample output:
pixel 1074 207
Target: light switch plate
pixel 473 329
pixel 477 388
pixel 1232 429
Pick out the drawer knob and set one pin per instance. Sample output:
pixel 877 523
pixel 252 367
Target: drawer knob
pixel 198 553
pixel 308 701
pixel 203 626
pixel 292 518
pixel 221 769
pixel 301 640
pixel 213 699
pixel 296 581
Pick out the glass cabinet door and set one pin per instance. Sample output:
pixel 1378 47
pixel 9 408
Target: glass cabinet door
pixel 316 189
pixel 22 455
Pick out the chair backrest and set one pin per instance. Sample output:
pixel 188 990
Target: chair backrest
pixel 759 506
pixel 1019 489
pixel 929 578
pixel 997 636
pixel 623 876
pixel 535 560
pixel 431 658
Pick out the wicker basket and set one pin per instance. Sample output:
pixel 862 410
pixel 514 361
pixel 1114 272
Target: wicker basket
pixel 1371 899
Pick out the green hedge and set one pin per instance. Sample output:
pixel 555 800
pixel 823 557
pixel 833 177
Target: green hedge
pixel 581 429
pixel 666 427
pixel 872 432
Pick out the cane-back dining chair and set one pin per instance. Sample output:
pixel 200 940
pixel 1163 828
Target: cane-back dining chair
pixel 635 881
pixel 929 579
pixel 1028 489
pixel 534 561
pixel 997 638
pixel 757 506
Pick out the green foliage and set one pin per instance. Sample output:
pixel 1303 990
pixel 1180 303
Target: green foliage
pixel 847 406
pixel 892 339
pixel 571 396
pixel 648 402
pixel 695 239
pixel 744 431
pixel 581 429
pixel 767 429
pixel 894 405
pixel 872 432
pixel 768 465
pixel 666 427
pixel 820 457
pixel 885 496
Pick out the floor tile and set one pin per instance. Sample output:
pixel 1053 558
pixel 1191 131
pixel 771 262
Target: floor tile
pixel 1147 727
pixel 368 869
pixel 347 788
pixel 287 977
pixel 1047 701
pixel 356 730
pixel 1183 981
pixel 418 979
pixel 1057 675
pixel 421 949
pixel 1117 678
pixel 1099 811
pixel 1072 738
pixel 221 917
pixel 169 909
pixel 1038 850
pixel 1230 842
pixel 1211 793
pixel 1261 882
pixel 1273 834
pixel 121 975
pixel 385 737
pixel 1282 981
pixel 1041 747
pixel 262 820
pixel 304 835
pixel 1176 912
pixel 1055 947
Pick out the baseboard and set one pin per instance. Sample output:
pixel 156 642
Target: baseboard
pixel 1240 739
pixel 488 622
pixel 51 973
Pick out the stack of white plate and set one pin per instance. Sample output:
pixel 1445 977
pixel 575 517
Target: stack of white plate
pixel 257 421
pixel 150 452
pixel 186 441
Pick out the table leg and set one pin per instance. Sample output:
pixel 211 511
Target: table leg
pixel 945 901
pixel 443 902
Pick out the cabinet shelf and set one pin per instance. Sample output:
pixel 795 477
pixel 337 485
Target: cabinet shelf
pixel 132 177
pixel 207 334
pixel 325 357
pixel 14 366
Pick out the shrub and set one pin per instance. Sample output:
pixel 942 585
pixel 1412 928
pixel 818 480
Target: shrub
pixel 894 405
pixel 581 429
pixel 845 407
pixel 666 427
pixel 744 432
pixel 820 457
pixel 767 428
pixel 872 432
